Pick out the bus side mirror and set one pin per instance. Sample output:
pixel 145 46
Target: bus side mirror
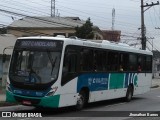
pixel 4 58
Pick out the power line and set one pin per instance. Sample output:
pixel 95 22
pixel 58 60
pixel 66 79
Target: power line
pixel 12 2
pixel 93 4
pixel 68 8
pixel 19 9
pixel 94 15
pixel 79 11
pixel 155 15
pixel 119 24
pixel 42 20
pixel 36 18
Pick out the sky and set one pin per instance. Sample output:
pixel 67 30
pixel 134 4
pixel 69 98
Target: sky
pixel 127 15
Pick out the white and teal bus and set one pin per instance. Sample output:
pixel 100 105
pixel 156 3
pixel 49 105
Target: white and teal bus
pixel 58 72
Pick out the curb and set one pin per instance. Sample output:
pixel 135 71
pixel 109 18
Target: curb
pixel 6 104
pixel 155 86
pixel 7 107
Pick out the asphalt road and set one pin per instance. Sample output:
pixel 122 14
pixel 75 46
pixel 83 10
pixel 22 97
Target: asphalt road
pixel 144 105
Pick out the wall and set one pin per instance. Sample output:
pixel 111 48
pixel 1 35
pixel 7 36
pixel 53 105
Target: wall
pixel 36 32
pixel 4 70
pixel 31 32
pixel 156 68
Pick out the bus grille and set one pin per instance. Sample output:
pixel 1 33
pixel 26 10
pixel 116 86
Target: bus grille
pixel 33 101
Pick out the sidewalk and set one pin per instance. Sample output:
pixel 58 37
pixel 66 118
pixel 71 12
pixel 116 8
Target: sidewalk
pixel 2 95
pixel 155 82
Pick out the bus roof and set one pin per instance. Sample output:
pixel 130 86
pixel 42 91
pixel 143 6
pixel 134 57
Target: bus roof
pixel 104 44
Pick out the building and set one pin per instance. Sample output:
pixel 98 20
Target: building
pixel 48 26
pixel 111 35
pixel 156 64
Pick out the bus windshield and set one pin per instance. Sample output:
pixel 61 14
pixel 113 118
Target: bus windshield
pixel 33 67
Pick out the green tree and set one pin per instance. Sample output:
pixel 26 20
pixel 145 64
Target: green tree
pixel 85 31
pixel 3 30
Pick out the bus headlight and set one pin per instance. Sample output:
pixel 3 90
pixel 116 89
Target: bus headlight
pixel 51 92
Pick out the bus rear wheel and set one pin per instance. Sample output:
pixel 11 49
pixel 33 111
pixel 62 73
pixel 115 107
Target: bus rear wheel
pixel 81 101
pixel 129 94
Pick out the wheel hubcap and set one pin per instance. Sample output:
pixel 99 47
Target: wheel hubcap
pixel 130 95
pixel 80 100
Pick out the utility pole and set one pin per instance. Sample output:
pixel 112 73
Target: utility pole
pixel 143 29
pixel 53 11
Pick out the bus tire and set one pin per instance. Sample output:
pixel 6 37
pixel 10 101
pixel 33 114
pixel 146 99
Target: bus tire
pixel 81 100
pixel 129 94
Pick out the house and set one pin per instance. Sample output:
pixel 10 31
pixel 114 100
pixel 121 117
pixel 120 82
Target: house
pixel 7 42
pixel 156 64
pixel 48 26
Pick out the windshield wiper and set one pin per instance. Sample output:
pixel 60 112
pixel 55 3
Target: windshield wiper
pixel 51 60
pixel 19 61
pixel 53 65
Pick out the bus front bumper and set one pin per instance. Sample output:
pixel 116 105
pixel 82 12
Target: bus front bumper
pixel 49 101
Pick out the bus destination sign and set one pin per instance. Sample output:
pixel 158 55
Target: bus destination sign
pixel 38 44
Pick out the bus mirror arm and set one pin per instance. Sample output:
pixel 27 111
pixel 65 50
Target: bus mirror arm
pixel 4 58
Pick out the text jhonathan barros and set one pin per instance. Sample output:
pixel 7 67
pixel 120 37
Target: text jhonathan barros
pixel 143 115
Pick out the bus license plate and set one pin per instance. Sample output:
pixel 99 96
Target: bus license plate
pixel 26 102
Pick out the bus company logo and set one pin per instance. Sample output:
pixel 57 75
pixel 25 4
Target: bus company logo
pixel 90 81
pixel 97 81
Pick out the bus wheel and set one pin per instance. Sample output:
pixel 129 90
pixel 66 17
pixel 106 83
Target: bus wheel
pixel 81 100
pixel 129 94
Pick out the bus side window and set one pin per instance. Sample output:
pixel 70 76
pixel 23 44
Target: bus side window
pixel 86 62
pixel 99 60
pixel 133 62
pixel 141 63
pixel 113 61
pixel 123 62
pixel 149 63
pixel 70 63
pixel 69 67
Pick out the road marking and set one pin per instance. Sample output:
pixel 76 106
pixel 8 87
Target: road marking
pixel 115 104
